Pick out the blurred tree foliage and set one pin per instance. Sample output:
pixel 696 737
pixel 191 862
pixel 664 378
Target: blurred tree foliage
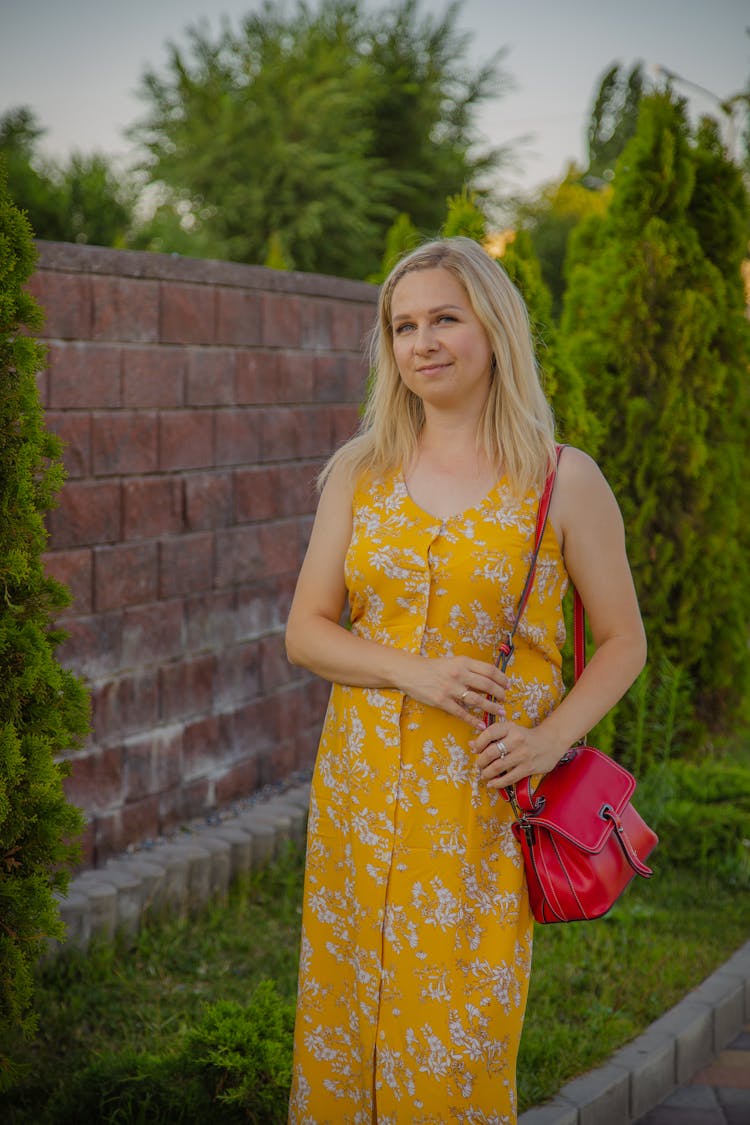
pixel 654 320
pixel 613 119
pixel 555 211
pixel 81 201
pixel 308 134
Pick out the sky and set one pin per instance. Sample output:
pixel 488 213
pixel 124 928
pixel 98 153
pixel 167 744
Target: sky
pixel 78 63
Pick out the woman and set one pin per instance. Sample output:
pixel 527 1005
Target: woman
pixel 416 942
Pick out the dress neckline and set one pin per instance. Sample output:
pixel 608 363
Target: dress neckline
pixel 456 516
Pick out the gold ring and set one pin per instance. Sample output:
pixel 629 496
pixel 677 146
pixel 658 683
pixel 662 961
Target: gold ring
pixel 464 694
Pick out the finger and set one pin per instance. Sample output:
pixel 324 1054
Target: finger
pixel 492 760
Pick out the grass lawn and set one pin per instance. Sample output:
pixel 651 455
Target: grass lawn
pixel 594 985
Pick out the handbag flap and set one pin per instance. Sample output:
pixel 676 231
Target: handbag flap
pixel 570 799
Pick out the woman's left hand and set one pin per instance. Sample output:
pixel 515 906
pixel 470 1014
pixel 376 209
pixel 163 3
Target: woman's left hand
pixel 507 752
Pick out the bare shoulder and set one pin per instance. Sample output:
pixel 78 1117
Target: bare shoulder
pixel 579 477
pixel 583 499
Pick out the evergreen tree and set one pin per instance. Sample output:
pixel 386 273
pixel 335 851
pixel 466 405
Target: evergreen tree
pixel 43 707
pixel 653 321
pixel 575 424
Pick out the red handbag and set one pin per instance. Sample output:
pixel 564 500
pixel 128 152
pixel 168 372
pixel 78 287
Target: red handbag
pixel 581 839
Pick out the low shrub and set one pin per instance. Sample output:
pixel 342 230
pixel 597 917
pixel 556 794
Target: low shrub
pixel 234 1067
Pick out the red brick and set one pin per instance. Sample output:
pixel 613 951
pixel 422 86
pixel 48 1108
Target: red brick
pixel 152 763
pixel 186 439
pixel 350 326
pixel 185 565
pixel 239 557
pixel 86 513
pixel 237 440
pixel 344 424
pixel 288 433
pixel 84 376
pixel 239 781
pixel 131 824
pixel 125 308
pixel 238 674
pixel 316 316
pixel 151 507
pixel 96 780
pixel 187 313
pixel 276 671
pixel 66 301
pixel 186 803
pixel 152 634
pixel 153 377
pixel 125 706
pixel 256 494
pixel 297 494
pixel 86 842
pixel 208 500
pixel 210 377
pixel 281 321
pixel 238 316
pixel 339 379
pixel 126 574
pixel 93 645
pixel 200 747
pixel 292 714
pixel 75 570
pixel 255 379
pixel 250 728
pixel 74 430
pixel 186 688
pixel 124 442
pixel 281 546
pixel 211 621
pixel 295 377
pixel 257 609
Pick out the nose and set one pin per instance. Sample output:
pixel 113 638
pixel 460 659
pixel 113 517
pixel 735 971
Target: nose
pixel 425 340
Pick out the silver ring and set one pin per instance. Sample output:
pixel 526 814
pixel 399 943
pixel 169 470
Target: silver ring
pixel 464 694
pixel 502 752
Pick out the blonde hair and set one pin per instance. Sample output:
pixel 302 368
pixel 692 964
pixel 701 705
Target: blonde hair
pixel 516 429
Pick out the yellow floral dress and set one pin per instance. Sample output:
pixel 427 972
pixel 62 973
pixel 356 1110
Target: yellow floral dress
pixel 416 934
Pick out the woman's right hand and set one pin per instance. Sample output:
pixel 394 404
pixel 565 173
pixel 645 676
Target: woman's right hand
pixel 458 685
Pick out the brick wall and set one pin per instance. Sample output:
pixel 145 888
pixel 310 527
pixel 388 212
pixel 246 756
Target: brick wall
pixel 197 401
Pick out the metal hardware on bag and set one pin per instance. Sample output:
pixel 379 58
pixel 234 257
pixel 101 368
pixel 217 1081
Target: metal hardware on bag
pixel 517 810
pixel 528 830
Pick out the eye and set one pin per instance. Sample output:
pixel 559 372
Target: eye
pixel 447 318
pixel 400 329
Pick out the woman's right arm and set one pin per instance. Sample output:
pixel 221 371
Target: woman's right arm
pixel 316 640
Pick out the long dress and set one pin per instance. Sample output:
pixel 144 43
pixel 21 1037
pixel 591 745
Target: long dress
pixel 416 929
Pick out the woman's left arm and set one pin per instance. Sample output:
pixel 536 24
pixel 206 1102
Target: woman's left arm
pixel 589 526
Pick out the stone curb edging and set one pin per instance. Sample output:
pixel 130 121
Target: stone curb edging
pixel 178 877
pixel 668 1054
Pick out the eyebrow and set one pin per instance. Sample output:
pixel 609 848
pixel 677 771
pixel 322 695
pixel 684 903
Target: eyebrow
pixel 430 312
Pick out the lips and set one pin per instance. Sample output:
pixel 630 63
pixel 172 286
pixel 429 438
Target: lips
pixel 430 368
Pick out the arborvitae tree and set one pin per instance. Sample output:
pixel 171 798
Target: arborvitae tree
pixel 652 321
pixel 43 707
pixel 575 424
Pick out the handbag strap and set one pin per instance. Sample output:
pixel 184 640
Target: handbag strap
pixel 506 646
pixel 520 795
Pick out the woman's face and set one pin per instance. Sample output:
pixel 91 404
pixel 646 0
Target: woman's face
pixel 441 349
